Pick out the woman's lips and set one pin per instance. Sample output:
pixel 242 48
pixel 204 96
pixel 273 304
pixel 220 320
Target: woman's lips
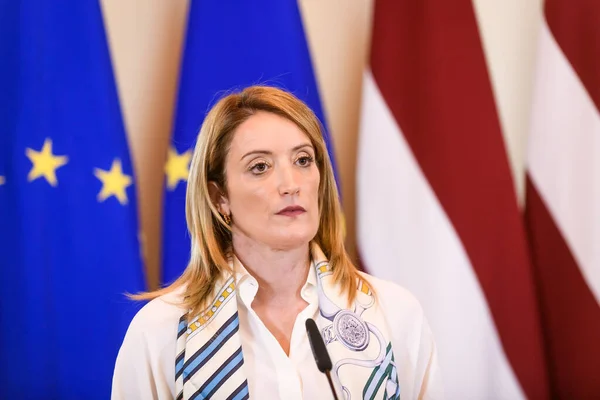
pixel 292 211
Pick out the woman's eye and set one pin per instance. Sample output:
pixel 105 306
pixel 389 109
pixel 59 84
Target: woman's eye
pixel 259 168
pixel 304 161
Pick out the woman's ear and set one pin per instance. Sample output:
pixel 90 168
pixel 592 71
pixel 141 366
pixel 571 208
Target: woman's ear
pixel 218 198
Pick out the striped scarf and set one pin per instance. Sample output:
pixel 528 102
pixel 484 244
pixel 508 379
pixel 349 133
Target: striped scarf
pixel 209 351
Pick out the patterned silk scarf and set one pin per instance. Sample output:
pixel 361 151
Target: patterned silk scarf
pixel 209 351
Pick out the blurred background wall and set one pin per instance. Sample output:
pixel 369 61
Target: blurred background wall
pixel 146 42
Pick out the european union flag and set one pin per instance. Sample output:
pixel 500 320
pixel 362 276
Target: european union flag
pixel 229 45
pixel 69 246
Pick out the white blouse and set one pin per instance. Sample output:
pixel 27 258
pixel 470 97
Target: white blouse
pixel 145 366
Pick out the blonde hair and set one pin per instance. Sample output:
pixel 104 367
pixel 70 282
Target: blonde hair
pixel 210 235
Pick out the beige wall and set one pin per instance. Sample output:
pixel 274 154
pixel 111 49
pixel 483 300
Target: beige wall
pixel 146 36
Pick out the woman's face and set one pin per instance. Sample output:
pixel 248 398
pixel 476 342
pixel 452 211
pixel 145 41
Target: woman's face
pixel 272 183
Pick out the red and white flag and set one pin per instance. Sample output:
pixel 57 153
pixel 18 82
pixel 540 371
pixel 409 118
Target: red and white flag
pixel 437 210
pixel 563 193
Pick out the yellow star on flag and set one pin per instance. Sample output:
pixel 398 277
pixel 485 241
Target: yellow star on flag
pixel 177 167
pixel 114 182
pixel 45 163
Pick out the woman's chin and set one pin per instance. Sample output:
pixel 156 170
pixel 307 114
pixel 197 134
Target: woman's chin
pixel 290 241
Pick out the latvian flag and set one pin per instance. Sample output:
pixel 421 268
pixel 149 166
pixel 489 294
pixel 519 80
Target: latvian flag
pixel 437 210
pixel 563 193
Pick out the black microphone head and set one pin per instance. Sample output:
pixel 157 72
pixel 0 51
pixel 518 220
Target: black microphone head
pixel 318 346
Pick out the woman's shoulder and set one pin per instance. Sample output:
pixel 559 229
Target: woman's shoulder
pixel 144 367
pixel 390 290
pixel 412 339
pixel 396 300
pixel 159 314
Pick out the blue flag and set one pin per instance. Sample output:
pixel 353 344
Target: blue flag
pixel 229 45
pixel 69 247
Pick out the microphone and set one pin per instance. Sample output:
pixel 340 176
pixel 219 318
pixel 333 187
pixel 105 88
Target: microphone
pixel 320 352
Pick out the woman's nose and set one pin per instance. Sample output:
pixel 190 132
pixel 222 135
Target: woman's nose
pixel 288 183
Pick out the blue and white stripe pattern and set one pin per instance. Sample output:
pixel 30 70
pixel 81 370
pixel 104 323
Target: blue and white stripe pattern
pixel 208 364
pixel 384 374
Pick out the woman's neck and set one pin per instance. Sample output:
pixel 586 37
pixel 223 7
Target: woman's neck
pixel 280 273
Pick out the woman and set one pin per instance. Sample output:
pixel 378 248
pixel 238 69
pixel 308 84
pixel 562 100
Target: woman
pixel 267 254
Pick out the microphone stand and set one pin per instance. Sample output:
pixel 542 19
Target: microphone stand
pixel 328 374
pixel 320 352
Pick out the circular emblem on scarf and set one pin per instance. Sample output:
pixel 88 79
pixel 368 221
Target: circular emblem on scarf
pixel 351 330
